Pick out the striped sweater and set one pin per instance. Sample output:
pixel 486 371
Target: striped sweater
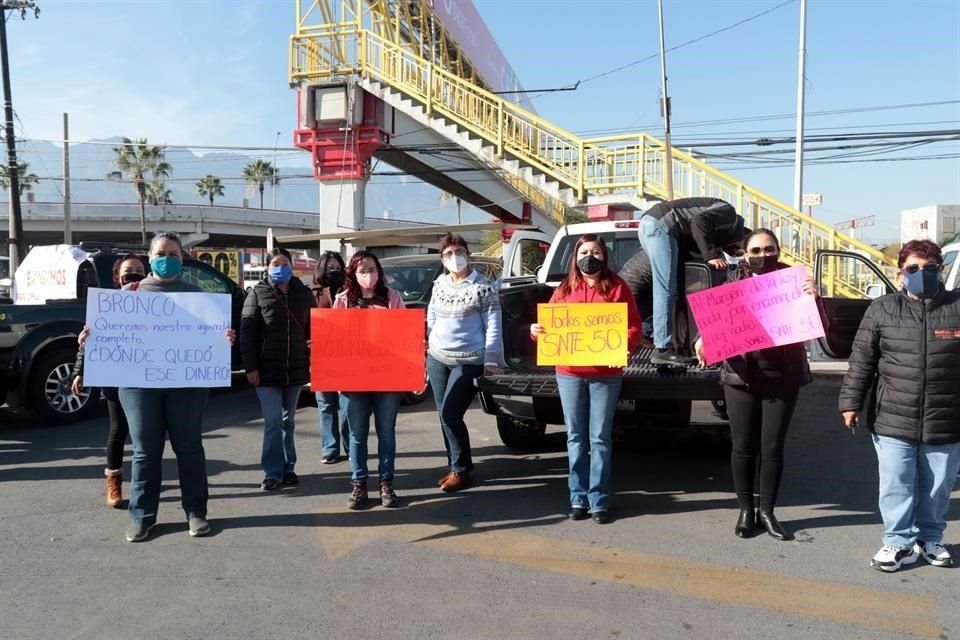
pixel 464 321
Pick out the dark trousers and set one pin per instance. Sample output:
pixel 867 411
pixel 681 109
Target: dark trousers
pixel 758 429
pixel 117 437
pixel 453 391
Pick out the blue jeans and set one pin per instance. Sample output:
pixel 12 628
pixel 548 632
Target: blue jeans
pixel 152 415
pixel 453 391
pixel 588 408
pixel 384 406
pixel 333 423
pixel 279 406
pixel 915 484
pixel 662 249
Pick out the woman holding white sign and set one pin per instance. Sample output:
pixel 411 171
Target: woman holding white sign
pixel 761 389
pixel 155 413
pixel 365 287
pixel 589 394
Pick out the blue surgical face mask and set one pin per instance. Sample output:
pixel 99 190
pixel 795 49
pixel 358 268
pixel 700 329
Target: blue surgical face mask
pixel 281 274
pixel 923 284
pixel 166 266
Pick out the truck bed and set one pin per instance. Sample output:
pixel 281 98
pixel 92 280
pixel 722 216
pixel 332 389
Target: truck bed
pixel 641 380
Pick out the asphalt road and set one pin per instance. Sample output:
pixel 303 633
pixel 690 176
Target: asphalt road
pixel 497 561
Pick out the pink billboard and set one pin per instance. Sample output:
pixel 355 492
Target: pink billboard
pixel 463 22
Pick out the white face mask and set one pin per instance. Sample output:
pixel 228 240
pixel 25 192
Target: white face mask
pixel 455 263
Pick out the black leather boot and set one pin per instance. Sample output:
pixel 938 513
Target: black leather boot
pixel 772 525
pixel 745 524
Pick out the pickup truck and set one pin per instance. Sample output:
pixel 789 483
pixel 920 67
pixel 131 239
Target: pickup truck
pixel 38 343
pixel 523 396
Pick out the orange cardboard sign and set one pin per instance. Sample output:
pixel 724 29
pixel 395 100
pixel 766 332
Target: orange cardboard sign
pixel 367 349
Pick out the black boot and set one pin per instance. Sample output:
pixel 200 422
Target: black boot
pixel 771 524
pixel 745 523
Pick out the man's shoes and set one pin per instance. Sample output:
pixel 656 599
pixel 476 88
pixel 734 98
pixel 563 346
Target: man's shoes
pixel 358 499
pixel 889 559
pixel 772 525
pixel 270 484
pixel 387 497
pixel 578 513
pixel 601 517
pixel 331 459
pixel 291 479
pixel 671 358
pixel 746 523
pixel 199 527
pixel 456 481
pixel 138 532
pixel 934 553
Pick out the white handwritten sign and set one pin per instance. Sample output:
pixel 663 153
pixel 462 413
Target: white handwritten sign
pixel 157 340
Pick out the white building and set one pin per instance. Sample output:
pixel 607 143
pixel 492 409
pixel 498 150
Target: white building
pixel 937 222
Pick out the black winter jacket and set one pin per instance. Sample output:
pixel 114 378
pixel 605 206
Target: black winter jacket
pixel 914 346
pixel 638 275
pixel 767 371
pixel 274 330
pixel 711 223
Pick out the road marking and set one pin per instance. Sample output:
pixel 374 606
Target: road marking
pixel 342 531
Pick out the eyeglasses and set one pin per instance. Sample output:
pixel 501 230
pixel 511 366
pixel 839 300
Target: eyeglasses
pixel 455 252
pixel 930 267
pixel 768 250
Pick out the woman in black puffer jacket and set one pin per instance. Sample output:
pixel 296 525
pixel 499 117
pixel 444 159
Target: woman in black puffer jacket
pixel 274 341
pixel 910 343
pixel 761 389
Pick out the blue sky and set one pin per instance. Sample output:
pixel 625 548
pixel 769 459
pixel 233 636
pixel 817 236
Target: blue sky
pixel 214 72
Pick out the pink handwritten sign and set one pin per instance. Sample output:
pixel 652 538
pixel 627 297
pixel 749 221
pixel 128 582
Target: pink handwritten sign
pixel 756 313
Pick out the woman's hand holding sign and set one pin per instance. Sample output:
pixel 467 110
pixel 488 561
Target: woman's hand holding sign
pixel 536 330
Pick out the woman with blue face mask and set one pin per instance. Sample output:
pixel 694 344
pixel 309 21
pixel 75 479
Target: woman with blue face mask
pixel 274 341
pixel 155 414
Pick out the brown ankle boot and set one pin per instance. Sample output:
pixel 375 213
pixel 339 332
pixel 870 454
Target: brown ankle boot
pixel 114 490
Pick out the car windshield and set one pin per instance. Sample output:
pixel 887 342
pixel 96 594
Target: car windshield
pixel 412 281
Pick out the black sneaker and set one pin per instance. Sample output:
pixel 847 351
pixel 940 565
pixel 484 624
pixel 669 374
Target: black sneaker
pixel 290 478
pixel 578 513
pixel 358 499
pixel 331 459
pixel 387 496
pixel 671 358
pixel 270 484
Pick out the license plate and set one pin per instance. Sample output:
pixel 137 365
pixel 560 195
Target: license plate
pixel 626 405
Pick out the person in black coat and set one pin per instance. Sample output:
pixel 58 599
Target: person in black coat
pixel 678 227
pixel 761 389
pixel 908 344
pixel 638 274
pixel 274 342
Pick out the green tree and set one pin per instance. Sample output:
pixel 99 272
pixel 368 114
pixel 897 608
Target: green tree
pixel 210 187
pixel 143 166
pixel 25 179
pixel 258 173
pixel 157 193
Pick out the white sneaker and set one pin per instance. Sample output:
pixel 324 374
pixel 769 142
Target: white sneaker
pixel 889 559
pixel 934 553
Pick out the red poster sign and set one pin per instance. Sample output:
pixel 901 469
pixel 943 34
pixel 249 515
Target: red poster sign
pixel 367 349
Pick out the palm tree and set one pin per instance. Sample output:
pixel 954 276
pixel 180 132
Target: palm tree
pixel 157 193
pixel 143 165
pixel 25 180
pixel 209 187
pixel 258 173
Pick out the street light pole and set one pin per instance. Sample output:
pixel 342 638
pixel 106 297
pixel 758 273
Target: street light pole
pixel 798 161
pixel 665 109
pixel 275 171
pixel 15 239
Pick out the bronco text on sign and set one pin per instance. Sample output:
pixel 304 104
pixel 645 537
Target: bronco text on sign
pixel 367 349
pixel 157 340
pixel 586 334
pixel 756 313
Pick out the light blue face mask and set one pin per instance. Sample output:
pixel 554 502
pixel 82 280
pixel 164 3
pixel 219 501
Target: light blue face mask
pixel 166 266
pixel 281 274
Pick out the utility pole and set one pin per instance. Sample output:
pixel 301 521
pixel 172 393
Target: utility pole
pixel 67 222
pixel 798 162
pixel 665 110
pixel 273 177
pixel 15 240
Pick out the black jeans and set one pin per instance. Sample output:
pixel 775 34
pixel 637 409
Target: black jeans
pixel 117 437
pixel 758 429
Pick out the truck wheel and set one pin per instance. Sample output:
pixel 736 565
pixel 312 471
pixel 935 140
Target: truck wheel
pixel 48 388
pixel 521 434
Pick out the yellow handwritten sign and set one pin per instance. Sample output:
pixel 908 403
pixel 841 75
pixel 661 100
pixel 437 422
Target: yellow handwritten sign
pixel 586 335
